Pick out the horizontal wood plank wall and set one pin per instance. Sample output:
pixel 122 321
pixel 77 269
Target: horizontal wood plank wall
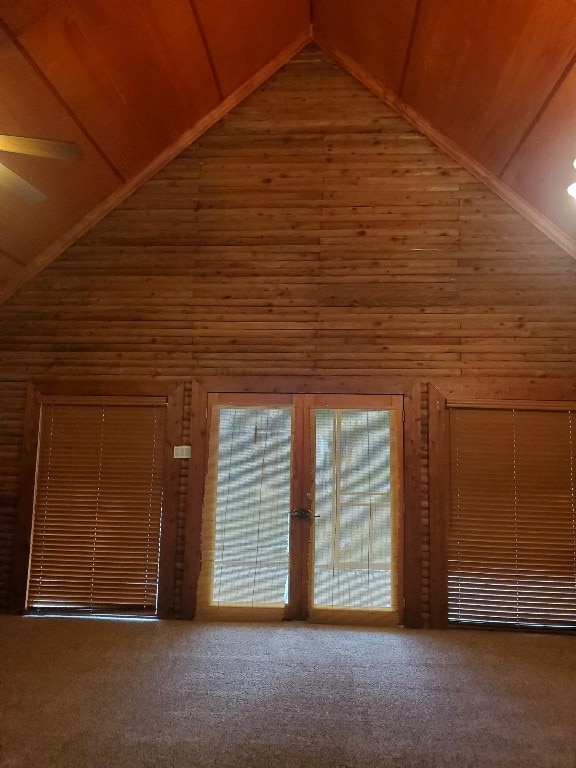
pixel 312 232
pixel 12 411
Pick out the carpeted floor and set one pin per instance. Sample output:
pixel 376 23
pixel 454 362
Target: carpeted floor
pixel 107 694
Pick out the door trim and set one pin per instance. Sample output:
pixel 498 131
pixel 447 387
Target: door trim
pixel 394 615
pixel 353 385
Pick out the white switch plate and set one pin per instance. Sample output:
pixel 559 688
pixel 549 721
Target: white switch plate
pixel 182 451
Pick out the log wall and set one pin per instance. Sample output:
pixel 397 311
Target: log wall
pixel 312 232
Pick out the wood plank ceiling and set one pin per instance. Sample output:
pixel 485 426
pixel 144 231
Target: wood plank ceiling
pixel 132 83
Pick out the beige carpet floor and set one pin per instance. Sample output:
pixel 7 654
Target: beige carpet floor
pixel 109 694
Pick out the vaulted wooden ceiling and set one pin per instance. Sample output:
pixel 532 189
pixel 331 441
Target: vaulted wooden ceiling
pixel 132 83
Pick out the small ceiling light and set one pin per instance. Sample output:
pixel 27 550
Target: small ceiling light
pixel 572 189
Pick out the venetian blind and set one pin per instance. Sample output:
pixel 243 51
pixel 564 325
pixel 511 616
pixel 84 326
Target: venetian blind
pixel 512 533
pixel 97 508
pixel 246 523
pixel 356 506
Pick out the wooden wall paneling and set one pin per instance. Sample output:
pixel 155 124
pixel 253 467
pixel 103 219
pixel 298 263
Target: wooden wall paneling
pixel 196 479
pixel 170 504
pixel 425 504
pixel 149 219
pixel 245 35
pixel 24 274
pixel 23 530
pixel 12 403
pixel 480 72
pixel 531 49
pixel 376 35
pixel 182 515
pixel 542 168
pixel 72 186
pixel 506 388
pixel 283 251
pixel 136 75
pixel 439 471
pixel 102 386
pixel 412 510
pixel 7 526
pixel 8 266
pixel 461 157
pixel 12 434
pixel 281 384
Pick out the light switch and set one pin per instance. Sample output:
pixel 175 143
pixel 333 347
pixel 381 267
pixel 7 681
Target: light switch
pixel 182 451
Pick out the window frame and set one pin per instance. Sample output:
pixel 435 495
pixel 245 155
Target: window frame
pixel 173 392
pixel 559 395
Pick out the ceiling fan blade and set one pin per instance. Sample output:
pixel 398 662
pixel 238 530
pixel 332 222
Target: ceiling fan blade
pixel 16 184
pixel 58 150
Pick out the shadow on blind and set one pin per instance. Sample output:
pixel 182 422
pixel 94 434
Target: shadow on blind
pixel 97 509
pixel 245 558
pixel 353 535
pixel 512 533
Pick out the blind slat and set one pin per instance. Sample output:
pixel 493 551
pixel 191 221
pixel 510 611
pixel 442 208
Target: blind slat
pixel 512 530
pixel 245 557
pixel 98 504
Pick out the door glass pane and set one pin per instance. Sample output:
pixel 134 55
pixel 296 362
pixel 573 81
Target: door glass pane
pixel 353 529
pixel 252 507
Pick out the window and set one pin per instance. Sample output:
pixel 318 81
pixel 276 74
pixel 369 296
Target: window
pixel 97 505
pixel 512 527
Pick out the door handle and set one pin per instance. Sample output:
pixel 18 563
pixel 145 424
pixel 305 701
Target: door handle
pixel 303 514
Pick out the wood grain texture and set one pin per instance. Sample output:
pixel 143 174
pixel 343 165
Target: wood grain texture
pixel 376 35
pixel 465 159
pixel 480 72
pixel 135 75
pixel 313 235
pixel 14 277
pixel 415 536
pixel 137 79
pixel 439 498
pixel 8 267
pixel 542 168
pixel 22 531
pixel 422 503
pixel 244 35
pixel 172 492
pixel 191 523
pixel 301 492
pixel 71 186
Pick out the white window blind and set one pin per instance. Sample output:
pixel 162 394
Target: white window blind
pixel 355 529
pixel 512 532
pixel 97 509
pixel 245 558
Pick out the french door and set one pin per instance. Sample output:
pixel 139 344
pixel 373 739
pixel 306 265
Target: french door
pixel 302 515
